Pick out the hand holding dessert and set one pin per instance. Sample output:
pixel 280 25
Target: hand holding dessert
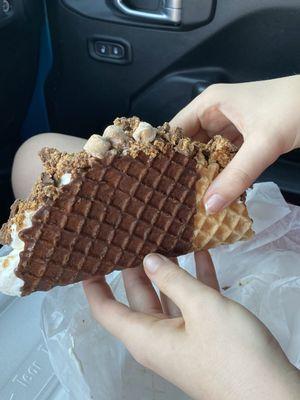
pixel 216 350
pixel 261 117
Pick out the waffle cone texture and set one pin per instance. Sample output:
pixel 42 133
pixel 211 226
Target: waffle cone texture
pixel 118 210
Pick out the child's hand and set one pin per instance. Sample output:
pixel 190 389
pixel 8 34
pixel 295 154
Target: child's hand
pixel 216 350
pixel 264 116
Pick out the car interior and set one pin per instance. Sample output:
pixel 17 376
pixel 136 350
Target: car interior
pixel 72 66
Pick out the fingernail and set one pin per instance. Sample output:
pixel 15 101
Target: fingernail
pixel 214 204
pixel 153 261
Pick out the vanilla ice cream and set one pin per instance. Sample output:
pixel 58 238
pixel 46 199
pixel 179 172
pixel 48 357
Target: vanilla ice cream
pixel 10 284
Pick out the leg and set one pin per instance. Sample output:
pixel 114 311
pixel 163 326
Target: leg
pixel 27 165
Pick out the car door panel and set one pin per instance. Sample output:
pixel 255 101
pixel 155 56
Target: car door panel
pixel 244 40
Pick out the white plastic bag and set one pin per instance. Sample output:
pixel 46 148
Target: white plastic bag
pixel 262 274
pixel 90 363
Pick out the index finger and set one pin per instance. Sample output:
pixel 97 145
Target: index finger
pixel 188 120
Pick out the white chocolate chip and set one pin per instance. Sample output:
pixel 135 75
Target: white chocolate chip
pixel 96 146
pixel 115 135
pixel 144 133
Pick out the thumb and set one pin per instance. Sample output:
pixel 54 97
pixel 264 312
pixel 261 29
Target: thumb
pixel 172 280
pixel 249 162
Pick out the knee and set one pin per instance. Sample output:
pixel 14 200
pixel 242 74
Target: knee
pixel 27 165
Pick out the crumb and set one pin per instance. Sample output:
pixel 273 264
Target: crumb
pixel 5 237
pixel 57 163
pixel 127 124
pixel 220 150
pixel 135 148
pixel 161 145
pixel 6 263
pixel 185 146
pixel 225 287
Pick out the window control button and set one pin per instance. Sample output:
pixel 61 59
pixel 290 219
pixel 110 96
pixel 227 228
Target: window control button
pixel 102 49
pixel 117 51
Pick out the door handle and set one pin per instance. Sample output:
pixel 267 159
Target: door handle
pixel 170 12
